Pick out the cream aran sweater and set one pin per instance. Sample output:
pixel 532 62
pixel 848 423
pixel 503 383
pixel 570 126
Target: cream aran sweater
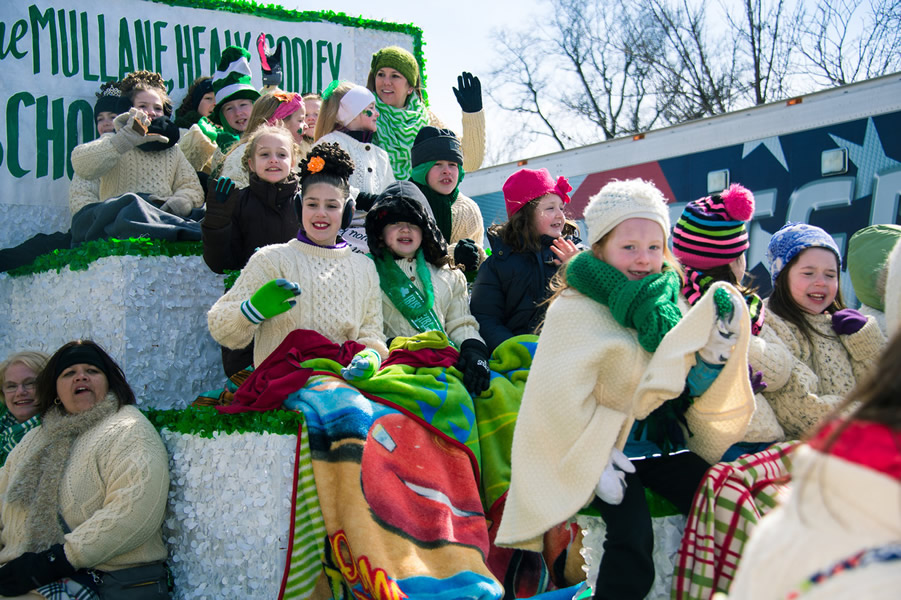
pixel 123 168
pixel 340 298
pixel 451 304
pixel 112 495
pixel 372 169
pixel 466 222
pixel 197 148
pixel 83 192
pixel 234 167
pixel 590 380
pixel 835 509
pixel 805 379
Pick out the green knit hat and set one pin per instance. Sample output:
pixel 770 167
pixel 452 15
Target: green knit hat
pixel 231 81
pixel 398 59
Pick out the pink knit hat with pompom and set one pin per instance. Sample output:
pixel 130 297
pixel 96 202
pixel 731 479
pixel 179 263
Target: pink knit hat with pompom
pixel 526 184
pixel 711 231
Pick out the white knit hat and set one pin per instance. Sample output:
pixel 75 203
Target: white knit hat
pixel 353 103
pixel 621 200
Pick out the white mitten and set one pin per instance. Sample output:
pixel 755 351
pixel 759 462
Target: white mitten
pixel 178 206
pixel 612 486
pixel 725 331
pixel 132 126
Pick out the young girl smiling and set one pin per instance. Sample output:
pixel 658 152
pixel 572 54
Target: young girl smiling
pixel 311 282
pixel 616 335
pixel 815 349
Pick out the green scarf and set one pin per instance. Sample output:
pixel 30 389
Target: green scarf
pixel 649 305
pixel 405 296
pixel 12 432
pixel 397 129
pixel 227 137
pixel 441 207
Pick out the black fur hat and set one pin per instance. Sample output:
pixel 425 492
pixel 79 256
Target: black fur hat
pixel 403 201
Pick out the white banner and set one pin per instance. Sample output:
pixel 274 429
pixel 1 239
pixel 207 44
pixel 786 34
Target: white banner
pixel 55 54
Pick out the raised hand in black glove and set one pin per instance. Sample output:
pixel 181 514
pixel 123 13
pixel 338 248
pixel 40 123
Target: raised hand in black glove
pixel 473 364
pixel 220 203
pixel 271 60
pixel 466 254
pixel 468 92
pixel 34 569
pixel 365 200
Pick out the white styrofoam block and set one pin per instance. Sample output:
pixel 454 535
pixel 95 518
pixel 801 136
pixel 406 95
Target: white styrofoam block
pixel 149 313
pixel 229 514
pixel 20 222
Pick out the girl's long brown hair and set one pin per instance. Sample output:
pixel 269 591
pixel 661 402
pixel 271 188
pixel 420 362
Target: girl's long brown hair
pixel 783 305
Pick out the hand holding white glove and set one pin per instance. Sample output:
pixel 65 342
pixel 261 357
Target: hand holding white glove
pixel 612 486
pixel 725 330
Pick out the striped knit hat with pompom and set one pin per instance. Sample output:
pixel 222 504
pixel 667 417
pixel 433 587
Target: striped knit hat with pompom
pixel 231 81
pixel 711 231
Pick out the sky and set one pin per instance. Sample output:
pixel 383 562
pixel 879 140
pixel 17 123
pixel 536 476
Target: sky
pixel 457 35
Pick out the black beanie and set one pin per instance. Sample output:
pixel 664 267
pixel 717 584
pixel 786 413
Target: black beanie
pixel 403 201
pixel 110 100
pixel 433 144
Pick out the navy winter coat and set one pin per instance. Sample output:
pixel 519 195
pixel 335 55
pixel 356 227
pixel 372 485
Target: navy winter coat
pixel 508 289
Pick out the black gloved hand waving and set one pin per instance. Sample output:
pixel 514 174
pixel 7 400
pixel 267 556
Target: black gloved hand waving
pixel 468 92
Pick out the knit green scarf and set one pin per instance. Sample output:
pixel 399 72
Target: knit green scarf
pixel 405 296
pixel 649 305
pixel 227 137
pixel 397 128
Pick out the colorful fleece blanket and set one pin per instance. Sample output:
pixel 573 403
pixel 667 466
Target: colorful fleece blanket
pixel 410 473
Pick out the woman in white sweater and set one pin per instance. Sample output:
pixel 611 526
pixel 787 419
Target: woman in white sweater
pixel 84 494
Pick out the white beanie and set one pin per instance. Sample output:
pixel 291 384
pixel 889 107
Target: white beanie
pixel 621 200
pixel 353 103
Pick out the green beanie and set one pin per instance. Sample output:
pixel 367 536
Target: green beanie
pixel 400 60
pixel 231 81
pixel 868 250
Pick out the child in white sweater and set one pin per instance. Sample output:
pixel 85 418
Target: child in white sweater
pixel 312 282
pixel 609 375
pixel 420 292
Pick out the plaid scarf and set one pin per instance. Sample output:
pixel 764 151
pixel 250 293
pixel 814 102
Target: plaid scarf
pixel 397 129
pixel 12 432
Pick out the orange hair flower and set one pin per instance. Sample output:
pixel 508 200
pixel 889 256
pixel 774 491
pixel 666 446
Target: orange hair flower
pixel 316 164
pixel 284 96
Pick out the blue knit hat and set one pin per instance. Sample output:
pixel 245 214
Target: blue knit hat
pixel 789 241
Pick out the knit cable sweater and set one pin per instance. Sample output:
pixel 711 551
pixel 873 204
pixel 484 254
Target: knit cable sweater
pixel 472 140
pixel 112 495
pixel 340 298
pixel 451 304
pixel 234 167
pixel 466 223
pixel 82 192
pixel 806 381
pixel 590 380
pixel 123 168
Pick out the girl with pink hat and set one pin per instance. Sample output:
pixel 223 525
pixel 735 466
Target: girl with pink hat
pixel 527 250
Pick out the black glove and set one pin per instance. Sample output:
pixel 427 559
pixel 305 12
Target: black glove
pixel 473 364
pixel 365 200
pixel 468 93
pixel 220 204
pixel 224 188
pixel 466 254
pixel 34 569
pixel 271 61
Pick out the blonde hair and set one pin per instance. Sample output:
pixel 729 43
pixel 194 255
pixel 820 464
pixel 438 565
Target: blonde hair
pixel 36 361
pixel 262 110
pixel 328 110
pixel 277 130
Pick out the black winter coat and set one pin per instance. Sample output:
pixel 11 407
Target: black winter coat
pixel 261 214
pixel 509 288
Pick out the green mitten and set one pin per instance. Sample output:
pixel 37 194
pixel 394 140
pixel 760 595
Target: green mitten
pixel 363 365
pixel 273 298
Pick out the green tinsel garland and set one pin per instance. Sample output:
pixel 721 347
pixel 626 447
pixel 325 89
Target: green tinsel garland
pixel 204 421
pixel 280 13
pixel 80 257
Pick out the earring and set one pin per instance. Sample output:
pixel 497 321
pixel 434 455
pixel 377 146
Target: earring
pixel 56 401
